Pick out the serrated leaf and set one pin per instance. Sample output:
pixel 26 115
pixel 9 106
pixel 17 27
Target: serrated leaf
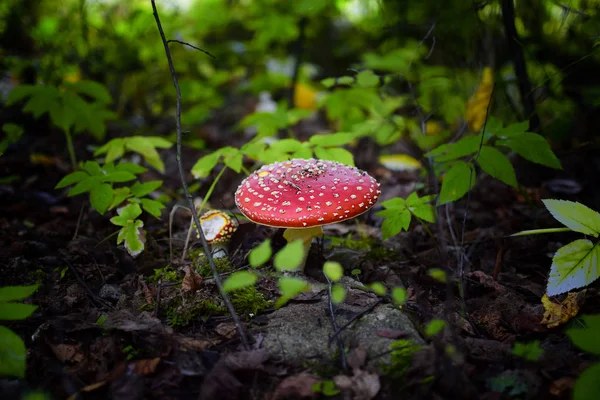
pixel 574 265
pixel 575 216
pixel 586 386
pixel 451 151
pixel 15 311
pixel 239 280
pixel 532 147
pixel 152 207
pixel 333 270
pixel 139 189
pixel 100 197
pixel 399 295
pixel 395 223
pixel 119 177
pixel 457 182
pixel 587 338
pixel 12 354
pixel 396 202
pixel 290 287
pixel 132 235
pixel 260 254
pixel 72 178
pixel 290 256
pixel 127 215
pixel 205 165
pixel 497 165
pixel 338 293
pixel 11 293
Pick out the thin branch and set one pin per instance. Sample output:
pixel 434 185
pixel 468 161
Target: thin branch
pixel 190 45
pixel 354 318
pixel 334 324
pixel 211 262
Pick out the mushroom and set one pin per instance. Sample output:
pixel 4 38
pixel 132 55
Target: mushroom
pixel 302 195
pixel 218 227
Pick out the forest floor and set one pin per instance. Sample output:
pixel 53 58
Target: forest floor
pixel 111 326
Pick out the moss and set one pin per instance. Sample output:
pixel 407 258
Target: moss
pixel 38 276
pixel 400 358
pixel 223 265
pixel 165 274
pixel 182 312
pixel 249 300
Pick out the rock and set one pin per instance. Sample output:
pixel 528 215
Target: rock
pixel 110 292
pixel 300 331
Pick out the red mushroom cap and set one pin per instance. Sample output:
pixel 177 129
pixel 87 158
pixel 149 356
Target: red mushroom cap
pixel 217 226
pixel 303 193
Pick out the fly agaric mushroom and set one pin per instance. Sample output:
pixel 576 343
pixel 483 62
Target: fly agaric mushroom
pixel 302 195
pixel 218 227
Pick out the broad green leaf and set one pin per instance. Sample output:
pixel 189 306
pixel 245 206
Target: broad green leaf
pixel 575 216
pixel 101 196
pixel 11 293
pixel 290 257
pixel 119 177
pixel 234 161
pixel 335 154
pixel 127 214
pixel 434 327
pixel 457 182
pixel 345 80
pixel 333 270
pixel 15 311
pixel 61 115
pixel 12 354
pixel 131 167
pixel 399 295
pixel 286 145
pixel 115 151
pixel 497 165
pixel 532 147
pixel 338 293
pixel 139 189
pixel 332 139
pixel 152 207
pixel 587 338
pixel 93 168
pixel 378 288
pixel 328 82
pixel 464 147
pixel 574 265
pixel 72 178
pixel 587 386
pixel 133 237
pixel 438 274
pixel 119 195
pixel 19 93
pixel 393 225
pixel 85 185
pixel 146 149
pixel 531 351
pixel 367 79
pixel 204 165
pixel 93 89
pixel 260 254
pixel 238 280
pixel 290 287
pixel 396 202
pixel 159 142
pixel 513 130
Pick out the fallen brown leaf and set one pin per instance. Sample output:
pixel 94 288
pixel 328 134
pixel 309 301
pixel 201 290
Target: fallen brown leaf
pixel 67 352
pixel 192 281
pixel 362 384
pixel 296 387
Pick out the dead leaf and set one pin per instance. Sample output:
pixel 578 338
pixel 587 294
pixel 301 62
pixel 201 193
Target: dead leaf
pixel 559 313
pixel 226 329
pixel 192 280
pixel 390 333
pixel 146 367
pixel 362 384
pixel 189 343
pixel 561 386
pixel 67 352
pixel 296 387
pixel 357 357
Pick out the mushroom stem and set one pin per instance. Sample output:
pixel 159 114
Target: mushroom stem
pixel 306 235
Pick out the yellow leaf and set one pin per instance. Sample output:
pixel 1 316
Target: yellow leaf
pixel 399 162
pixel 305 97
pixel 559 313
pixel 478 103
pixel 433 128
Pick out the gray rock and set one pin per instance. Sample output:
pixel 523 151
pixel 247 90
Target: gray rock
pixel 299 332
pixel 110 292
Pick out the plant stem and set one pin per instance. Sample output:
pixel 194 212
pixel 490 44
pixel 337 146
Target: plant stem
pixel 71 148
pixel 211 262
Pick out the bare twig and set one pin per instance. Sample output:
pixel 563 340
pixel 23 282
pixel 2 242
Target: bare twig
pixel 171 215
pixel 334 324
pixel 78 222
pixel 354 318
pixel 191 45
pixel 211 262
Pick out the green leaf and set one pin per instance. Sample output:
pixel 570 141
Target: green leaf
pixel 100 197
pixel 575 216
pixel 133 237
pixel 438 274
pixel 19 93
pixel 338 293
pixel 290 257
pixel 457 182
pixel 333 270
pixel 451 151
pixel 332 139
pixel 529 351
pixel 12 354
pixel 234 161
pixel 159 142
pixel 145 147
pixel 260 254
pixel 11 293
pixel 119 195
pixel 152 207
pixel 497 165
pixel 127 214
pixel 335 154
pixel 131 167
pixel 72 178
pixel 204 165
pixel 434 327
pixel 574 265
pixel 142 189
pixel 367 79
pixel 290 287
pixel 328 82
pixel 119 177
pixel 587 386
pixel 396 202
pixel 532 147
pixel 93 168
pixel 96 90
pixel 15 311
pixel 587 338
pixel 345 80
pixel 238 280
pixel 378 288
pixel 84 186
pixel 399 295
pixel 395 223
pixel 286 145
